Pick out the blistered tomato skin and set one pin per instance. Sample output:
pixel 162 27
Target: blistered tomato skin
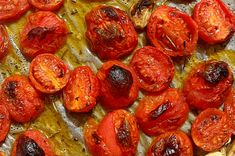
pixel 208 84
pixel 110 32
pixel 174 143
pixel 211 129
pixel 4 42
pixel 161 113
pixel 48 73
pixel 5 123
pixel 229 108
pixel 23 102
pixel 154 69
pixel 82 90
pixel 172 31
pixel 119 85
pixel 48 5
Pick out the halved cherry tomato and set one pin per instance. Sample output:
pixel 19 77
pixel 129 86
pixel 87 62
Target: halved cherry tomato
pixel 229 108
pixel 44 32
pixel 82 90
pixel 32 142
pixel 4 42
pixel 172 31
pixel 117 133
pixel 110 32
pixel 48 73
pixel 23 102
pixel 154 69
pixel 161 113
pixel 12 9
pixel 208 84
pixel 211 129
pixel 5 122
pixel 171 144
pixel 215 21
pixel 119 86
pixel 48 5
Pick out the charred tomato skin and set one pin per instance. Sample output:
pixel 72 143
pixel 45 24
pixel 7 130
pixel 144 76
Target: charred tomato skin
pixel 171 143
pixel 119 85
pixel 161 113
pixel 82 90
pixel 44 32
pixel 208 84
pixel 110 32
pixel 4 42
pixel 154 69
pixel 47 5
pixel 211 129
pixel 229 108
pixel 23 102
pixel 5 122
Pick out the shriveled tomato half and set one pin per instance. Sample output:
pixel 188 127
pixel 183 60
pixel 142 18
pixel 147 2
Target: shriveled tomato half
pixel 171 143
pixel 154 69
pixel 82 90
pixel 4 42
pixel 215 21
pixel 48 73
pixel 23 102
pixel 5 123
pixel 229 108
pixel 172 31
pixel 208 84
pixel 110 32
pixel 48 5
pixel 32 142
pixel 161 113
pixel 119 85
pixel 211 129
pixel 44 32
pixel 12 9
pixel 116 133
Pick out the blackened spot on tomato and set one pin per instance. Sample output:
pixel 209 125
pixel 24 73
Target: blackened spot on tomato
pixel 159 110
pixel 96 138
pixel 120 80
pixel 110 12
pixel 110 32
pixel 123 134
pixel 10 89
pixel 28 147
pixel 40 32
pixel 142 4
pixel 214 117
pixel 61 73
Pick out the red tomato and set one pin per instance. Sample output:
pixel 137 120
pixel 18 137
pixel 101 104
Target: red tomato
pixel 171 144
pixel 215 21
pixel 21 99
pixel 211 129
pixel 117 133
pixel 4 41
pixel 47 5
pixel 172 31
pixel 82 90
pixel 12 9
pixel 44 32
pixel 32 142
pixel 208 84
pixel 5 123
pixel 119 86
pixel 229 108
pixel 110 32
pixel 154 69
pixel 48 73
pixel 161 113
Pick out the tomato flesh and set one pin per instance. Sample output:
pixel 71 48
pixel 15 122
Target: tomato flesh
pixel 4 42
pixel 5 123
pixel 229 108
pixel 48 5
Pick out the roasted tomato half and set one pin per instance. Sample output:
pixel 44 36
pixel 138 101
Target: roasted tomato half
pixel 211 129
pixel 172 31
pixel 44 32
pixel 48 73
pixel 119 85
pixel 174 143
pixel 12 9
pixel 161 113
pixel 208 84
pixel 154 69
pixel 215 21
pixel 82 90
pixel 5 123
pixel 47 4
pixel 229 108
pixel 32 143
pixel 4 41
pixel 21 99
pixel 117 133
pixel 110 32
